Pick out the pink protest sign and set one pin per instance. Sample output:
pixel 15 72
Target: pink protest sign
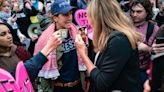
pixel 22 83
pixel 81 19
pixel 7 82
pixel 22 79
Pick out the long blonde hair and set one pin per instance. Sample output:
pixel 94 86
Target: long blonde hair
pixel 107 16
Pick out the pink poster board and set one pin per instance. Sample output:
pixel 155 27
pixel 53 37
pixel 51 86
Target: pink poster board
pixel 7 82
pixel 22 83
pixel 22 79
pixel 81 19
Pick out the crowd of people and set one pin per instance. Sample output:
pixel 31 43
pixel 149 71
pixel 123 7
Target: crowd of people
pixel 125 54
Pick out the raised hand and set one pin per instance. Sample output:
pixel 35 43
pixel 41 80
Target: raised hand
pixel 158 48
pixel 53 42
pixel 143 47
pixel 80 45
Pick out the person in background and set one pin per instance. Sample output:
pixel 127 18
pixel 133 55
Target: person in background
pixel 48 7
pixel 160 16
pixel 141 14
pixel 61 72
pixel 82 4
pixel 114 35
pixel 5 11
pixel 155 8
pixel 23 21
pixel 5 17
pixel 125 5
pixel 10 53
pixel 157 82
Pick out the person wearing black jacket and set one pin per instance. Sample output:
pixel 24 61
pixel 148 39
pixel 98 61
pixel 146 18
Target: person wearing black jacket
pixel 23 14
pixel 23 19
pixel 116 65
pixel 157 82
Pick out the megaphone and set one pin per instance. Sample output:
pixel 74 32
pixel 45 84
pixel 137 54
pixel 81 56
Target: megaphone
pixel 34 29
pixel 37 28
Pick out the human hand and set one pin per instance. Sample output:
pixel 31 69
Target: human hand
pixel 147 87
pixel 53 42
pixel 143 47
pixel 34 38
pixel 12 19
pixel 158 48
pixel 80 45
pixel 28 4
pixel 22 37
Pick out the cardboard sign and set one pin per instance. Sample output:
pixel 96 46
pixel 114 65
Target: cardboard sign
pixel 81 19
pixel 21 84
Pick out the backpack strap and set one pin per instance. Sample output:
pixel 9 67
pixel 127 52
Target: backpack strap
pixel 149 30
